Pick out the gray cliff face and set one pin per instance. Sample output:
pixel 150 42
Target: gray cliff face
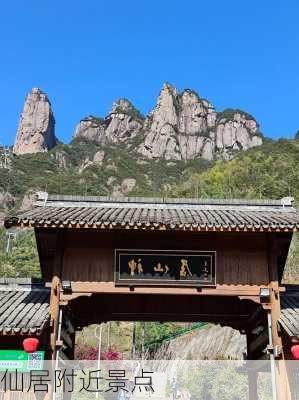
pixel 36 131
pixel 123 122
pixel 182 126
pixel 91 128
pixel 236 131
pixel 210 343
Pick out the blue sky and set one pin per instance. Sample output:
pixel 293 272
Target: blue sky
pixel 85 54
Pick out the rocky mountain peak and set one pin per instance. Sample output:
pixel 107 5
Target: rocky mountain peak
pixel 236 130
pixel 36 131
pixel 184 126
pixel 37 91
pixel 167 88
pixel 122 123
pixel 122 105
pixel 181 126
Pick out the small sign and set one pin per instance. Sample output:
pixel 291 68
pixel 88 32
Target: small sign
pixel 165 268
pixel 11 360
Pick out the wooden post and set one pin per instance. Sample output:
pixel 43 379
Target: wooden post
pixel 282 381
pixel 54 314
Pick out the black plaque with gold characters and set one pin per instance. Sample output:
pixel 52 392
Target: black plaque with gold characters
pixel 165 267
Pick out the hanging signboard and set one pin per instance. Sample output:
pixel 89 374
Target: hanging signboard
pixel 165 268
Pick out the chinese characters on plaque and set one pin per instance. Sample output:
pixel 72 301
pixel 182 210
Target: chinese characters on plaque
pixel 160 267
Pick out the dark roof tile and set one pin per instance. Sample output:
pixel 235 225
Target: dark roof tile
pixel 289 318
pixel 153 213
pixel 23 310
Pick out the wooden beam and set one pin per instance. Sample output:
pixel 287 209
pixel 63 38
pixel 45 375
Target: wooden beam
pixel 54 313
pixel 282 379
pixel 85 288
pixel 235 321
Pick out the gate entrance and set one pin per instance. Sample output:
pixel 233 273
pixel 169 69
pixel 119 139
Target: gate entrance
pixel 245 316
pixel 164 259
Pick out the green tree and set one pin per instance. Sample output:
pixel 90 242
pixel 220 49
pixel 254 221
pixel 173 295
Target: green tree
pixel 22 258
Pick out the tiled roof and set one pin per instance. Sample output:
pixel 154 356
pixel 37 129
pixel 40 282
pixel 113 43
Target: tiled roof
pixel 152 213
pixel 23 309
pixel 289 318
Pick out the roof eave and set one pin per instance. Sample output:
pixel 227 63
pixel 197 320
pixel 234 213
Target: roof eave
pixel 147 226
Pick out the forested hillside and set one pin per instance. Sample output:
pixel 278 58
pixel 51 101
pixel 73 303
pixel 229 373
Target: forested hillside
pixel 268 171
pixel 86 168
pixel 18 255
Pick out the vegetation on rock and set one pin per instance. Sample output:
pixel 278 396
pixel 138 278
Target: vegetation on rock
pixel 131 111
pixel 229 114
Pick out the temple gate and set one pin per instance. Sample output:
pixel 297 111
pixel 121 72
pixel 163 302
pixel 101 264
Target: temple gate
pixel 149 259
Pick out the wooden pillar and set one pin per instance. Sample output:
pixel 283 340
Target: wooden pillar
pixel 54 314
pixel 282 379
pixel 251 374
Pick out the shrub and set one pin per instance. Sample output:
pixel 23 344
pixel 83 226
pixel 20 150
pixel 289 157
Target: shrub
pixel 91 353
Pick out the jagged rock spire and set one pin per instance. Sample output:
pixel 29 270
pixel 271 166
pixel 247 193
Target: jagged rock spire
pixel 122 123
pixel 36 131
pixel 182 126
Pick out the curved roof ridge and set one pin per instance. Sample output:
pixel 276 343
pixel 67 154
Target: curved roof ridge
pixel 45 197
